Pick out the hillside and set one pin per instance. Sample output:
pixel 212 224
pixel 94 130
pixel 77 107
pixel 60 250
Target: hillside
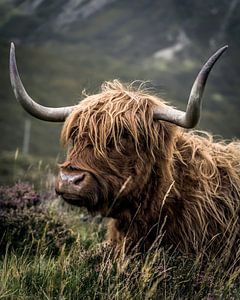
pixel 64 47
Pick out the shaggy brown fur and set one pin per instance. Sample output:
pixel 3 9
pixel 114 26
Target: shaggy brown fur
pixel 154 176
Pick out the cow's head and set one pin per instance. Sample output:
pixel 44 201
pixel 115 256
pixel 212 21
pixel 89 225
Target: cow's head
pixel 113 146
pixel 115 138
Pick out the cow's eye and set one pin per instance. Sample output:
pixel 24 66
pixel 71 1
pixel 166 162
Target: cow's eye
pixel 125 135
pixel 89 146
pixel 110 143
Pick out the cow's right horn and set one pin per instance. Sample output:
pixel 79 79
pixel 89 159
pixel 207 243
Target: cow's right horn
pixel 190 118
pixel 41 112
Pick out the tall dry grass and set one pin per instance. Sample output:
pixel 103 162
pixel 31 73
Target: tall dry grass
pixel 88 268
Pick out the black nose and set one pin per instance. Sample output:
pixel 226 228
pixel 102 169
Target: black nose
pixel 70 183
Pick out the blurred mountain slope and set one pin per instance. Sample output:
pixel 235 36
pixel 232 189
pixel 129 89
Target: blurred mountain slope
pixel 64 47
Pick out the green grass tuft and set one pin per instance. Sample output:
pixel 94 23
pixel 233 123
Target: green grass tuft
pixel 85 267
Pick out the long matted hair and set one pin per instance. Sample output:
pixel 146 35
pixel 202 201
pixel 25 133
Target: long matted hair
pixel 184 180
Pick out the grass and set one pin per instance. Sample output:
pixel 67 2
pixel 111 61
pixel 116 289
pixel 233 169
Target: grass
pixel 15 166
pixel 34 266
pixel 94 273
pixel 91 270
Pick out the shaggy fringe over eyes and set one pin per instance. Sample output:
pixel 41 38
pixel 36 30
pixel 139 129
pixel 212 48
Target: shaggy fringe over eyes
pixel 107 117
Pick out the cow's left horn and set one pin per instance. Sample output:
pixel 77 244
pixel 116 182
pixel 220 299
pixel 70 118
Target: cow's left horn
pixel 41 112
pixel 190 118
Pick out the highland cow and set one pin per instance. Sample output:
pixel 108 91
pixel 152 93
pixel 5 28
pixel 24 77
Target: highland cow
pixel 132 160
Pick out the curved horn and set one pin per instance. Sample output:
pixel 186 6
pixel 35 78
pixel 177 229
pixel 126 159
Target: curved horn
pixel 41 112
pixel 190 118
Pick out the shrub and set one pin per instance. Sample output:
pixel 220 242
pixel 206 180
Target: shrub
pixel 27 222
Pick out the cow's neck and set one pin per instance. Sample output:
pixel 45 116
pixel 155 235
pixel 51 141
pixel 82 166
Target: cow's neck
pixel 145 214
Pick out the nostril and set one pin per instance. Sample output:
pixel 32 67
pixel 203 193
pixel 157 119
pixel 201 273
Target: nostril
pixel 66 180
pixel 78 179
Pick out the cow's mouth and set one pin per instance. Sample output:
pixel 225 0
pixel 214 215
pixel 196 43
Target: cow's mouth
pixel 70 197
pixel 73 199
pixel 92 205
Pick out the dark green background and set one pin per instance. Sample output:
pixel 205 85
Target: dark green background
pixel 64 47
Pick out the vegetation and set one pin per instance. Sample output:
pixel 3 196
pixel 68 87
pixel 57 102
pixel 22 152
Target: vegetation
pixel 14 167
pixel 58 60
pixel 49 251
pixel 25 220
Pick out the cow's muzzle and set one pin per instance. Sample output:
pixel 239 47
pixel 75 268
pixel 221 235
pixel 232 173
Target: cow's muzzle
pixel 71 186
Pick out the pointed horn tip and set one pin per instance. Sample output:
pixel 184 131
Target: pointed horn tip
pixel 222 49
pixel 12 46
pixel 225 47
pixel 12 52
pixel 12 59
